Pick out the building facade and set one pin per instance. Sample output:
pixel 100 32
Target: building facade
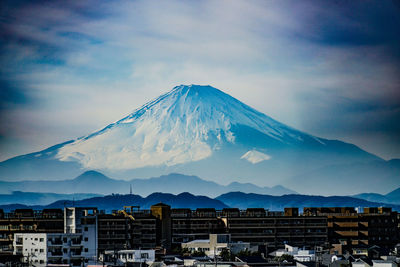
pixel 359 229
pixel 42 249
pixel 28 221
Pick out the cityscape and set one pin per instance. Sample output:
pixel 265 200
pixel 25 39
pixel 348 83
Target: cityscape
pixel 209 133
pixel 161 235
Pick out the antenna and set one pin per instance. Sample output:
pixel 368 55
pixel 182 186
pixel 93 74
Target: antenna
pixel 130 187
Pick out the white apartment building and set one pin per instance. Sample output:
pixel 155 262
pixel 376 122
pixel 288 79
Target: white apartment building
pixel 77 245
pixel 42 249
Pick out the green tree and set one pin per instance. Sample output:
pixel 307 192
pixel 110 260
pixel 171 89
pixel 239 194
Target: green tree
pixel 284 257
pixel 181 251
pixel 247 253
pixel 198 254
pixel 225 254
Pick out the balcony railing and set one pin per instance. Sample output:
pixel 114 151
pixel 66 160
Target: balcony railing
pixel 76 253
pixel 112 236
pixel 76 241
pixel 55 242
pixel 55 253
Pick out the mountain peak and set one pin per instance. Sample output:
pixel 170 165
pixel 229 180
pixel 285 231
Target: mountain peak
pixel 92 175
pixel 184 125
pixel 195 88
pixel 202 91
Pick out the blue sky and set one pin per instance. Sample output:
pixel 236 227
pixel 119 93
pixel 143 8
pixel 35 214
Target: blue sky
pixel 329 68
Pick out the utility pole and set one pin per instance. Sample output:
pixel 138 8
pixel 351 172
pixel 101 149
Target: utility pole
pixel 215 258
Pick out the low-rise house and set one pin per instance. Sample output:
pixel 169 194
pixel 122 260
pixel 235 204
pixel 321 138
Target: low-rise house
pixel 215 244
pixel 383 263
pixel 137 255
pixel 362 262
pixel 127 256
pixel 302 255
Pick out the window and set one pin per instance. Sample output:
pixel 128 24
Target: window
pixel 144 255
pixel 41 250
pixel 41 240
pixel 130 256
pixel 86 239
pixel 86 250
pixel 86 229
pixel 36 239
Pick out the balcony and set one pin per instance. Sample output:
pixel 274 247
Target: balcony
pixel 112 227
pixel 76 242
pixel 282 233
pixel 112 236
pixel 76 253
pixel 55 242
pixel 346 224
pixel 6 238
pixel 55 253
pixel 347 233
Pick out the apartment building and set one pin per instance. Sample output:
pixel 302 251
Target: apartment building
pixel 28 221
pixel 273 230
pixel 42 249
pixel 188 225
pixel 130 228
pixel 351 228
pixel 256 226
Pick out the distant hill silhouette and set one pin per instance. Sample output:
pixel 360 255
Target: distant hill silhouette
pixel 243 200
pixel 34 198
pixel 97 183
pixel 232 199
pixel 392 197
pixel 115 202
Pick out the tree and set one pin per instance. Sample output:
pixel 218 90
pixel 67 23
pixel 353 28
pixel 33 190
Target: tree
pixel 225 254
pixel 247 253
pixel 198 254
pixel 181 251
pixel 285 257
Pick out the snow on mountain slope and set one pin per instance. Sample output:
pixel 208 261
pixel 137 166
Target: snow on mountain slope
pixel 255 156
pixel 184 125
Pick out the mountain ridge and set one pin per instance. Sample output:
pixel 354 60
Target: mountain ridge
pixel 117 201
pixel 243 200
pixel 96 182
pixel 232 199
pixel 392 197
pixel 200 130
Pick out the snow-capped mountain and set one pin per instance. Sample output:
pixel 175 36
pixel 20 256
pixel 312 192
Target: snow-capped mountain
pixel 184 125
pixel 197 130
